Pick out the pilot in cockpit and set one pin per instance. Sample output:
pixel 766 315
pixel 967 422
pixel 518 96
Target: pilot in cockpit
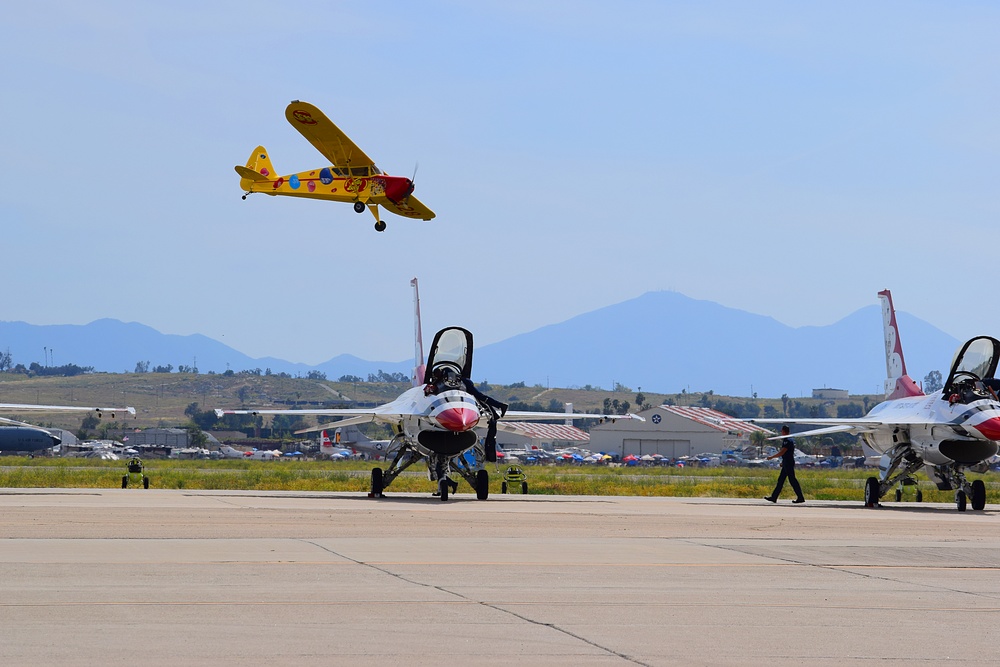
pixel 971 389
pixel 443 378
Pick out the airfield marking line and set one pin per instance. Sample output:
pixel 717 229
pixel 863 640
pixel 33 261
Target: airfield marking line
pixel 487 605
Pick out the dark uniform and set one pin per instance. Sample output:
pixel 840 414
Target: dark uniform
pixel 787 454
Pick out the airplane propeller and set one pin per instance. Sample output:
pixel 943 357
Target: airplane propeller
pixel 413 179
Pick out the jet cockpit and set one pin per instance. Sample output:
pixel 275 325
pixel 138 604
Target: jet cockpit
pixel 973 372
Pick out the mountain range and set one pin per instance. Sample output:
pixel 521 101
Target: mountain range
pixel 663 342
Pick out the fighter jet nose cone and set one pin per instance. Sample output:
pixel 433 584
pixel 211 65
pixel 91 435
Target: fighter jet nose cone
pixel 990 428
pixel 458 419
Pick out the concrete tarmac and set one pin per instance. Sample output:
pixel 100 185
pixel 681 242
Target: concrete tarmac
pixel 155 577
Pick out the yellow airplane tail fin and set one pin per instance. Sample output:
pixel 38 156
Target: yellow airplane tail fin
pixel 258 169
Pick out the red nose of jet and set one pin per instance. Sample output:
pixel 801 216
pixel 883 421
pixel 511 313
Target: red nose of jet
pixel 989 428
pixel 458 419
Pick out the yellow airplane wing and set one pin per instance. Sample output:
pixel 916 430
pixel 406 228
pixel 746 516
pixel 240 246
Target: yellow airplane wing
pixel 327 137
pixel 411 207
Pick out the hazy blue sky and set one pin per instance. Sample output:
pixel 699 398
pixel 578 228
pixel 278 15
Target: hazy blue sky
pixel 786 158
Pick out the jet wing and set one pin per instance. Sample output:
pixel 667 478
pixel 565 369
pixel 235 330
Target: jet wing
pixel 325 136
pixel 14 422
pixel 351 416
pixel 827 426
pixel 17 407
pixel 411 207
pixel 514 415
pixel 349 421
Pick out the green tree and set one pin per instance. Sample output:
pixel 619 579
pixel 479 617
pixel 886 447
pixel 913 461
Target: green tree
pixel 850 411
pixel 933 382
pixel 196 437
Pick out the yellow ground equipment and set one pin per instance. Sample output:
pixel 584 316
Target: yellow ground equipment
pixel 514 475
pixel 135 474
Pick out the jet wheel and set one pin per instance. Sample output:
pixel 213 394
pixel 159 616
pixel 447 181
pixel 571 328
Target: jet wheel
pixel 443 488
pixel 482 485
pixel 145 482
pixel 377 483
pixel 899 495
pixel 920 496
pixel 379 226
pixel 978 495
pixel 125 481
pixel 524 488
pixel 359 207
pixel 503 487
pixel 871 492
pixel 961 500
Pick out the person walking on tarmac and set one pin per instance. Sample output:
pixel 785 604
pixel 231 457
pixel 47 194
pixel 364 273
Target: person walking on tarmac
pixel 787 454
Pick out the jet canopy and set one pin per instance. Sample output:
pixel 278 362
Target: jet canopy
pixel 451 354
pixel 973 370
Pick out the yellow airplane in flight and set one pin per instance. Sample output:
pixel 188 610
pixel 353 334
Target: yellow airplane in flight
pixel 352 176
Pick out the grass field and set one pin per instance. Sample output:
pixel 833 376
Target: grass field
pixel 21 472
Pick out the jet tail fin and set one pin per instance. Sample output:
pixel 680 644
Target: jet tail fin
pixel 419 368
pixel 897 383
pixel 258 169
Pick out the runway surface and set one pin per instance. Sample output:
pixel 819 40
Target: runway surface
pixel 178 577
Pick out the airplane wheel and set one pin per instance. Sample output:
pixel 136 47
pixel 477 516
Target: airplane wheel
pixel 871 492
pixel 899 495
pixel 443 488
pixel 379 226
pixel 920 496
pixel 125 482
pixel 377 483
pixel 524 488
pixel 978 495
pixel 961 500
pixel 482 485
pixel 359 207
pixel 503 487
pixel 145 482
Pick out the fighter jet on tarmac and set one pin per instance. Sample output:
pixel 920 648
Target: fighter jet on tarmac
pixel 434 421
pixel 946 433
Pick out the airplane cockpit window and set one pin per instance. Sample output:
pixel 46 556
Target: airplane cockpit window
pixel 976 357
pixel 452 347
pixel 359 171
pixel 973 371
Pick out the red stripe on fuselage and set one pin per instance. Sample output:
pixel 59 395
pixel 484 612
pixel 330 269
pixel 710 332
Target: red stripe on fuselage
pixel 990 428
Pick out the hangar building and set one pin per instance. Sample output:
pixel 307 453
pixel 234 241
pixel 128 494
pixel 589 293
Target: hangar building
pixel 535 435
pixel 673 431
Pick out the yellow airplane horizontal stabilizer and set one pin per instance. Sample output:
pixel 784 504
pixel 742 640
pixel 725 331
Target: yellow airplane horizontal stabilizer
pixel 251 174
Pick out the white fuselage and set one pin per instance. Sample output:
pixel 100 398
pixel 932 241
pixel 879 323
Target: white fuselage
pixel 939 431
pixel 451 411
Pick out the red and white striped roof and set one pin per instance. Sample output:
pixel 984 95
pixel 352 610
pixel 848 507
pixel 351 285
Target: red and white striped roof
pixel 712 418
pixel 538 431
